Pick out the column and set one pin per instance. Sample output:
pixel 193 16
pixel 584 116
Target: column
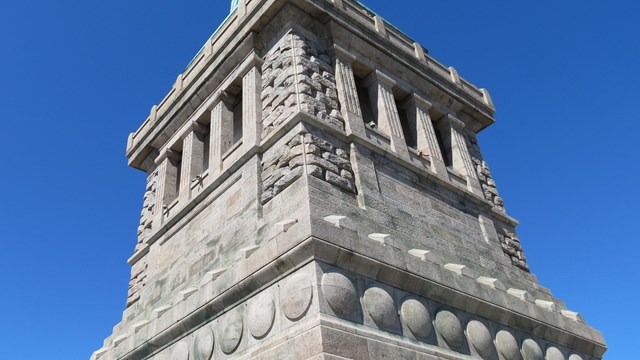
pixel 221 134
pixel 347 91
pixel 166 190
pixel 192 159
pixel 381 93
pixel 460 156
pixel 251 108
pixel 427 142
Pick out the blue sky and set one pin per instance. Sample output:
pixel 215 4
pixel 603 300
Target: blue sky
pixel 79 76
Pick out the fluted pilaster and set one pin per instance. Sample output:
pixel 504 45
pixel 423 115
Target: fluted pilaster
pixel 251 108
pixel 461 158
pixel 381 93
pixel 192 159
pixel 168 167
pixel 347 91
pixel 427 141
pixel 221 134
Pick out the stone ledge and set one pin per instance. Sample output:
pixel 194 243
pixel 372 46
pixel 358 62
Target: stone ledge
pixel 314 249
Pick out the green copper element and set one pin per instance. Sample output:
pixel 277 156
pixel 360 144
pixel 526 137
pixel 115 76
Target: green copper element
pixel 234 4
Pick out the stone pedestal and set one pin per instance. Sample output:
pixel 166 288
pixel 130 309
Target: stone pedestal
pixel 315 235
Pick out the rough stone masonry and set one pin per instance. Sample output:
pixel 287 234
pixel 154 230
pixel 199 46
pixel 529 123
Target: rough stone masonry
pixel 316 190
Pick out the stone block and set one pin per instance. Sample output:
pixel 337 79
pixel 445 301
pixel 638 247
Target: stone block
pixel 379 238
pixel 120 339
pixel 248 251
pixel 420 254
pixel 341 222
pixel 459 270
pixel 520 294
pixel 492 283
pixel 572 315
pixel 159 311
pixel 547 305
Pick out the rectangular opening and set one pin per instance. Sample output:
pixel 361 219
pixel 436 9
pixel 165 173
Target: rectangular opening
pixel 178 165
pixel 444 142
pixel 366 106
pixel 206 144
pixel 237 120
pixel 172 177
pixel 408 127
pixel 204 122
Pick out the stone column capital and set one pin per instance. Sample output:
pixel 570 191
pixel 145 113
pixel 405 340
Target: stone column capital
pixel 167 153
pixel 197 128
pixel 453 122
pixel 417 100
pixel 342 53
pixel 221 96
pixel 251 61
pixel 379 76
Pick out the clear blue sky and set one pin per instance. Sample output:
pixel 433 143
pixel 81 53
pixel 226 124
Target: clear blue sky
pixel 79 76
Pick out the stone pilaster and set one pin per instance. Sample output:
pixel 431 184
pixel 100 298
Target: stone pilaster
pixel 427 142
pixel 251 108
pixel 381 94
pixel 167 183
pixel 221 134
pixel 366 180
pixel 192 159
pixel 347 91
pixel 460 156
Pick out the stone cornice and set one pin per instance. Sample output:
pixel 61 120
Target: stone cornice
pixel 339 51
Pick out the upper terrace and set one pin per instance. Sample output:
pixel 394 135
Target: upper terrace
pixel 249 15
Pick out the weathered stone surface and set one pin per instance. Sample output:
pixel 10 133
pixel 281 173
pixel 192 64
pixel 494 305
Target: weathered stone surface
pixel 417 317
pixel 180 351
pixel 531 350
pixel 484 174
pixel 508 345
pixel 575 357
pixel 139 270
pixel 340 293
pixel 480 339
pixel 261 316
pixel 381 307
pixel 512 248
pixel 297 76
pixel 297 297
pixel 449 327
pixel 307 153
pixel 232 332
pixel 203 344
pixel 553 353
pixel 294 188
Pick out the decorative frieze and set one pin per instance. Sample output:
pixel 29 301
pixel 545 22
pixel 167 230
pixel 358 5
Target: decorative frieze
pixel 297 77
pixel 489 188
pixel 149 202
pixel 139 269
pixel 307 154
pixel 512 248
